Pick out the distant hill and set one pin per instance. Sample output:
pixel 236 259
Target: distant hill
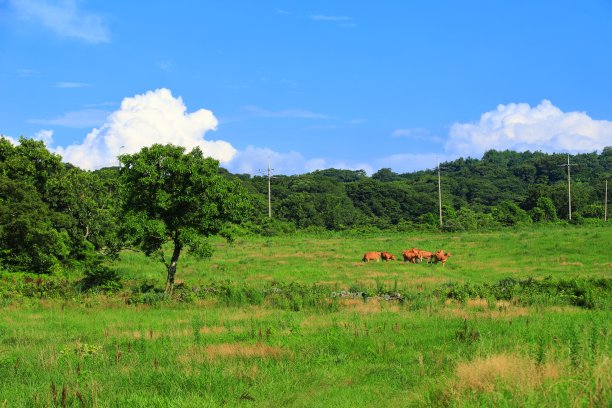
pixel 503 187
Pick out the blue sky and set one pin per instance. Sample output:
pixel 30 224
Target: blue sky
pixel 307 85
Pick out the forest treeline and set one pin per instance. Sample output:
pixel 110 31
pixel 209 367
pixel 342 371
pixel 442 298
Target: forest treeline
pixel 503 188
pixel 54 215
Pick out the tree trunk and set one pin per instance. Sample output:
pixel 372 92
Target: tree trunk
pixel 172 266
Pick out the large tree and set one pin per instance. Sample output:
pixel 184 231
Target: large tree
pixel 177 197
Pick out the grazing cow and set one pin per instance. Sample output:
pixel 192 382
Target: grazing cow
pixel 425 255
pixel 411 255
pixel 371 256
pixel 387 256
pixel 441 256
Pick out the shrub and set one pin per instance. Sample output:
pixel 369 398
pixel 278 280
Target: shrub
pixel 101 277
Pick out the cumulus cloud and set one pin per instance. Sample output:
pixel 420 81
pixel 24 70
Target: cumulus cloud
pixel 254 160
pixel 518 126
pixel 64 18
pixel 143 120
pixel 10 139
pixel 45 135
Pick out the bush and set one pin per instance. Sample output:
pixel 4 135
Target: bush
pixel 101 277
pixel 585 293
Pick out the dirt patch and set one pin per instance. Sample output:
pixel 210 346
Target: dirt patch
pixel 487 374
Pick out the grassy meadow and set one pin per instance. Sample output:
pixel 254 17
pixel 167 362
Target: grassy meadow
pixel 300 321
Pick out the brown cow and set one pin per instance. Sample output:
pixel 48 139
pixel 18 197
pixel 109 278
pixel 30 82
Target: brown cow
pixel 425 254
pixel 441 256
pixel 371 256
pixel 411 255
pixel 387 256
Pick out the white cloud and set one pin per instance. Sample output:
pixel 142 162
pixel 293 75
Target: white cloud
pixel 254 160
pixel 45 135
pixel 85 118
pixel 143 120
pixel 10 139
pixel 517 126
pixel 64 18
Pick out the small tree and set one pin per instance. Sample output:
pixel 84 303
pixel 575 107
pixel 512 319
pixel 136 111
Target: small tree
pixel 170 195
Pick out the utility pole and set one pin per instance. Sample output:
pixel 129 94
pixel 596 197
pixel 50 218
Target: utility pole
pixel 569 188
pixel 269 188
pixel 269 192
pixel 606 203
pixel 439 192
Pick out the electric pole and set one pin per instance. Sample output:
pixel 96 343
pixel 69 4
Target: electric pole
pixel 569 188
pixel 439 193
pixel 269 188
pixel 606 203
pixel 269 193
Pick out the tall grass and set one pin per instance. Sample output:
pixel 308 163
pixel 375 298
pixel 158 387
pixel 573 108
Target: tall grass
pixel 301 321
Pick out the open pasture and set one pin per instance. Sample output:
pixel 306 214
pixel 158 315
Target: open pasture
pixel 425 350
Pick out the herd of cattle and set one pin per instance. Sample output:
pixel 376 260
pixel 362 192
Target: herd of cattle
pixel 413 255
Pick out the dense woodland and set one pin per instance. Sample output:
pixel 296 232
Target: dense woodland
pixel 55 216
pixel 501 189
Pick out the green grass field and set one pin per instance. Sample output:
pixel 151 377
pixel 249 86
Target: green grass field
pixel 273 332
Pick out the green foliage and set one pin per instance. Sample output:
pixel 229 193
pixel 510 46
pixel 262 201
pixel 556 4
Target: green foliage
pixel 284 320
pixel 28 240
pixel 481 189
pixel 170 195
pixel 102 278
pixel 52 216
pixel 509 214
pixel 586 293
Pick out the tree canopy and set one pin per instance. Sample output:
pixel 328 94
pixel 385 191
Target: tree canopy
pixel 178 197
